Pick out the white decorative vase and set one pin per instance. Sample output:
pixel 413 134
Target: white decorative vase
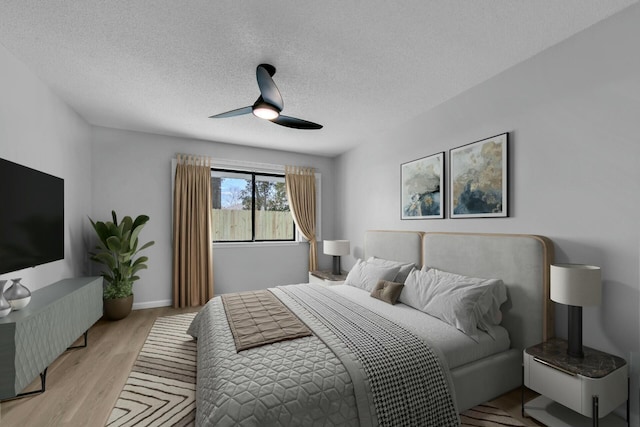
pixel 5 307
pixel 18 295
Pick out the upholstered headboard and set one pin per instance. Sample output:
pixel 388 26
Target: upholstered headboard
pixel 520 260
pixel 404 246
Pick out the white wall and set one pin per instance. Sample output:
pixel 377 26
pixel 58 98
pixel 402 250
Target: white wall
pixel 132 175
pixel 573 113
pixel 38 130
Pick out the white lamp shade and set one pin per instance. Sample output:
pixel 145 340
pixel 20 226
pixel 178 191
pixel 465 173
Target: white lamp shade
pixel 336 247
pixel 576 284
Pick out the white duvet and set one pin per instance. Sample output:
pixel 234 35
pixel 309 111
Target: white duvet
pixel 456 347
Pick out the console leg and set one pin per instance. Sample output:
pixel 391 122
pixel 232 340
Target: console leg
pixel 594 412
pixel 81 345
pixel 628 395
pixel 522 394
pixel 43 383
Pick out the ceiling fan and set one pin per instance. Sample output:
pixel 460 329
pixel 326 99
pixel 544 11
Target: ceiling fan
pixel 269 104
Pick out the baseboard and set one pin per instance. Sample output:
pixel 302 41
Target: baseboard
pixel 151 304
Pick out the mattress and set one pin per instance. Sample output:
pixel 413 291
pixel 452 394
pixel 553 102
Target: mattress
pixel 456 347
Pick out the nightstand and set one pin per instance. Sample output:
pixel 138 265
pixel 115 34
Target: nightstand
pixel 327 278
pixel 574 391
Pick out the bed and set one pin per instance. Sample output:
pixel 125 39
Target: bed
pixel 398 369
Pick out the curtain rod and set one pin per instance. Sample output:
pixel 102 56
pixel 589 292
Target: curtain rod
pixel 242 164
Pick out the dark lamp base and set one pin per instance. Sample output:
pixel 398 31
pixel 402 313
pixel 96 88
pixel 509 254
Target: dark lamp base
pixel 575 332
pixel 336 265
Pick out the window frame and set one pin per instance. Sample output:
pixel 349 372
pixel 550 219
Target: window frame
pixel 254 173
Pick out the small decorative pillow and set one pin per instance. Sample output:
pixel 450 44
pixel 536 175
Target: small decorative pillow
pixel 387 291
pixel 405 268
pixel 365 275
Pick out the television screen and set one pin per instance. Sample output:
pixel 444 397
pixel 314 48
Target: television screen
pixel 31 217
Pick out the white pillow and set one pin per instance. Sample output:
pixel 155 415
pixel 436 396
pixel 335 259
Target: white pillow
pixel 468 303
pixel 493 316
pixel 405 268
pixel 464 301
pixel 414 293
pixel 365 275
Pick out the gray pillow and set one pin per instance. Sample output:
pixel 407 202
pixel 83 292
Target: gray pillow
pixel 387 291
pixel 403 272
pixel 365 275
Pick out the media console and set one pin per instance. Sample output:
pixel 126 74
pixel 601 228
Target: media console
pixel 33 337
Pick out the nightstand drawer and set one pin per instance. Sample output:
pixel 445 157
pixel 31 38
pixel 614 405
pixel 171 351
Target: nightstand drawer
pixel 564 388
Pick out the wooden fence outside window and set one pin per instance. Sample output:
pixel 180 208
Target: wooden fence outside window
pixel 235 225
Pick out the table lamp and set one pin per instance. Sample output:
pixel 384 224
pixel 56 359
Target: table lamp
pixel 577 286
pixel 336 248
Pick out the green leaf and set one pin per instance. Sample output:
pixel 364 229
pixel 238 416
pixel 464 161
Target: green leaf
pixel 140 221
pixel 126 223
pixel 101 230
pixel 105 258
pixel 140 260
pixel 135 232
pixel 146 245
pixel 138 267
pixel 113 243
pixel 113 229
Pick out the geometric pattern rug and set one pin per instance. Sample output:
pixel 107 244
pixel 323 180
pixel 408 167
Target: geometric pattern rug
pixel 487 415
pixel 161 388
pixel 161 391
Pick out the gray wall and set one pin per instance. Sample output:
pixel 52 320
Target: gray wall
pixel 132 175
pixel 573 114
pixel 39 131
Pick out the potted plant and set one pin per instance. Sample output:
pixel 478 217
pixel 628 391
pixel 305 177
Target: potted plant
pixel 117 250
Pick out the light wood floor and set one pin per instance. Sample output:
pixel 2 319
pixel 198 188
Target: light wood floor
pixel 83 384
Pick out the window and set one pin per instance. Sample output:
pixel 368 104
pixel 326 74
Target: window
pixel 249 207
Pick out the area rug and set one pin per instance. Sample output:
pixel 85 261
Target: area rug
pixel 487 415
pixel 160 390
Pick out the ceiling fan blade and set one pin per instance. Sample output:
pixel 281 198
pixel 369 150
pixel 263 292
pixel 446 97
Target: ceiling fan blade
pixel 268 89
pixel 232 113
pixel 292 122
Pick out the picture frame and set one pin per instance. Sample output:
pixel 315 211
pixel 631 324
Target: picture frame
pixel 478 178
pixel 422 191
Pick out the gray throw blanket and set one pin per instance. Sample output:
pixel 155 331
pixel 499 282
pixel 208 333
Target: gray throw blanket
pixel 357 369
pixel 408 384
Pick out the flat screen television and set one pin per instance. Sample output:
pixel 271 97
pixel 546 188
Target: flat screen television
pixel 31 217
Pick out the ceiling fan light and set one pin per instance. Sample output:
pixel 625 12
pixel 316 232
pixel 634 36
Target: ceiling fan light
pixel 265 111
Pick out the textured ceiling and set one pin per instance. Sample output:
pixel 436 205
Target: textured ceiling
pixel 357 67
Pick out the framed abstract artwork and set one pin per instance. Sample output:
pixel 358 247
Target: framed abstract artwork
pixel 478 178
pixel 422 190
